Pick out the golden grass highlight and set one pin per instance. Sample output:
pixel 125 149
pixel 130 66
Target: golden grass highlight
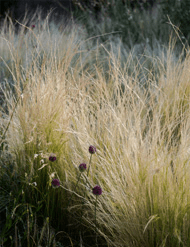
pixel 141 135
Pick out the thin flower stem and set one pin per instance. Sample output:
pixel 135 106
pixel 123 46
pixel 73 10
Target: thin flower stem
pixel 49 217
pixel 88 173
pixel 74 190
pixel 95 219
pixel 95 212
pixel 89 165
pixel 85 190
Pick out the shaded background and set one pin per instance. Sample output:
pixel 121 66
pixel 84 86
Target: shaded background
pixel 121 13
pixel 16 8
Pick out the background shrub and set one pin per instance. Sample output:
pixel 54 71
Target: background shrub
pixel 179 13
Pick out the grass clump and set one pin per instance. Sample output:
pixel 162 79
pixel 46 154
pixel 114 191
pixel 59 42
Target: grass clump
pixel 72 102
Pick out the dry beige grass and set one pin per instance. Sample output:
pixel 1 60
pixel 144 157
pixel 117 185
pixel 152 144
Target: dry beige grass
pixel 141 135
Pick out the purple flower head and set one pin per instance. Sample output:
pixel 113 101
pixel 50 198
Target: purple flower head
pixel 55 183
pixel 52 157
pixel 92 149
pixel 97 190
pixel 33 26
pixel 82 167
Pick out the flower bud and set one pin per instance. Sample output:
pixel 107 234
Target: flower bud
pixel 97 190
pixel 92 149
pixel 82 167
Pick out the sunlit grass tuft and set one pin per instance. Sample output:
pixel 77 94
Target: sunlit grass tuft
pixel 65 103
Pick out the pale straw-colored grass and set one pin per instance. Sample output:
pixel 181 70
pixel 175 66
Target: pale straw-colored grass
pixel 141 133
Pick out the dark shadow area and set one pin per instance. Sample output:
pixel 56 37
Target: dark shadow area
pixel 16 9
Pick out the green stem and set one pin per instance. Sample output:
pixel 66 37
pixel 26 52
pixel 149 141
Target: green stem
pixel 49 187
pixel 74 190
pixel 88 173
pixel 95 220
pixel 95 212
pixel 85 191
pixel 49 218
pixel 89 165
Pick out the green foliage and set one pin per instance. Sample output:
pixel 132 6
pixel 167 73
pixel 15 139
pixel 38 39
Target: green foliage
pixel 140 25
pixel 97 5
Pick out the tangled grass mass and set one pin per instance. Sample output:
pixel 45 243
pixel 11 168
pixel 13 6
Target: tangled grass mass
pixel 109 127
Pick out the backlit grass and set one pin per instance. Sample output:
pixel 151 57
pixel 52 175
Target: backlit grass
pixel 62 93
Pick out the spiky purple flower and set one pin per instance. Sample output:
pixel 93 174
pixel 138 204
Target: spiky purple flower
pixel 97 190
pixel 55 183
pixel 82 167
pixel 92 149
pixel 52 157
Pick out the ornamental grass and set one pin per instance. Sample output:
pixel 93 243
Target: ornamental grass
pixel 61 94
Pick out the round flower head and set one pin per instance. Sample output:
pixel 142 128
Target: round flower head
pixel 52 157
pixel 92 149
pixel 55 183
pixel 82 167
pixel 33 26
pixel 97 190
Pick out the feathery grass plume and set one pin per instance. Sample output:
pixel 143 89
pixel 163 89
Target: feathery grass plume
pixel 136 112
pixel 134 129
